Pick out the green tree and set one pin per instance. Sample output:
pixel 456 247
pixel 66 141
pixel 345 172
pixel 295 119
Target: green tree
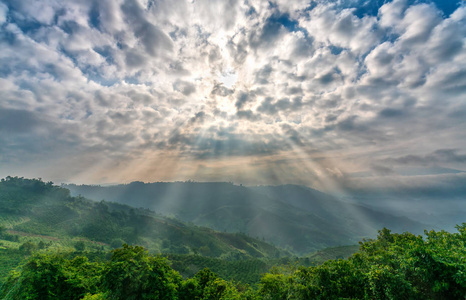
pixel 27 247
pixel 52 276
pixel 273 286
pixel 190 290
pixel 134 274
pixel 80 246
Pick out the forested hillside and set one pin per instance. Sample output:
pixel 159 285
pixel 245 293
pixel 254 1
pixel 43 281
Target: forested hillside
pixel 56 246
pixel 394 266
pixel 296 217
pixel 35 215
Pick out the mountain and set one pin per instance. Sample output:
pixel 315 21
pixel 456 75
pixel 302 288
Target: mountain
pixel 437 212
pixel 295 217
pixel 32 209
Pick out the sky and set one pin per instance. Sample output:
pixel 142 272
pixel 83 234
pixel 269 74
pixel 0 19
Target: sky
pixel 337 95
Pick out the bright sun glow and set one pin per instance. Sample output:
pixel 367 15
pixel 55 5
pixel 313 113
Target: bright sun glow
pixel 228 79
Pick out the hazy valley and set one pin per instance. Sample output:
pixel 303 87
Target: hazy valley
pixel 298 218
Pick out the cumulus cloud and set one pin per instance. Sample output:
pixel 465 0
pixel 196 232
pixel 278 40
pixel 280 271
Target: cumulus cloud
pixel 240 87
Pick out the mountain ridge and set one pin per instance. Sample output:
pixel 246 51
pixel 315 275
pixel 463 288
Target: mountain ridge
pixel 299 218
pixel 48 210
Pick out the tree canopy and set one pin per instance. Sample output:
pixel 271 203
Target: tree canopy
pixel 393 266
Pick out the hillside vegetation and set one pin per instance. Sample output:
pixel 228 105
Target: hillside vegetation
pixel 394 266
pixel 56 246
pixel 298 218
pixel 36 216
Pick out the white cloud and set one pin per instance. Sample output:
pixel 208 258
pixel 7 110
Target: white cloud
pixel 3 13
pixel 391 14
pixel 209 81
pixel 342 28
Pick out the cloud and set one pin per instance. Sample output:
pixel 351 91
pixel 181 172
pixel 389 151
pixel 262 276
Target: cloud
pixel 438 156
pixel 149 35
pixel 184 87
pixel 273 28
pixel 242 99
pixel 17 121
pixel 391 113
pixel 3 13
pixel 341 28
pixel 366 85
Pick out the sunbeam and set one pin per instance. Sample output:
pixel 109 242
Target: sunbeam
pixel 235 135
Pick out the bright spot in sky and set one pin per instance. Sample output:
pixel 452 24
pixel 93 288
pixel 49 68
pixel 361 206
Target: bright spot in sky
pixel 228 79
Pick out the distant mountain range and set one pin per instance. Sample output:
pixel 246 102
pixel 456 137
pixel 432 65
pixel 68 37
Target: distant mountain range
pixel 295 217
pixel 34 209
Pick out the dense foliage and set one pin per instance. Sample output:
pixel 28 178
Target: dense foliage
pixel 62 247
pixel 393 266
